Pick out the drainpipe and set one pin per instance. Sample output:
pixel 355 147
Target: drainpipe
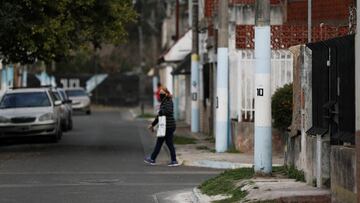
pixel 263 129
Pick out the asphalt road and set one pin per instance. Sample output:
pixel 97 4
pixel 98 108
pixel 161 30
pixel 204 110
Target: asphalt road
pixel 101 160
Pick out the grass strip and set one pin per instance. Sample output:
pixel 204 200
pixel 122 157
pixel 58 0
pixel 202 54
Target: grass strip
pixel 225 184
pixel 147 115
pixel 203 147
pixel 181 140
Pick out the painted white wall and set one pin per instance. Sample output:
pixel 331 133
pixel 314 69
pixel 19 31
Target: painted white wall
pixel 245 14
pixel 169 79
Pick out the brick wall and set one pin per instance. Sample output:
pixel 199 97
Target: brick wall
pixel 210 6
pixel 329 11
pixel 285 36
pixel 251 1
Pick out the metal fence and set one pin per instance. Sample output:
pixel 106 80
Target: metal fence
pixel 281 74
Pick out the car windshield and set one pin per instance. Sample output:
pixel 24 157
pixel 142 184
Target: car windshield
pixel 76 93
pixel 26 99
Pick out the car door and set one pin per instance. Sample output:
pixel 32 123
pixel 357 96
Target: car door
pixel 56 108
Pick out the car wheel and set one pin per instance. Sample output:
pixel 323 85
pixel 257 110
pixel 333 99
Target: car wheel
pixel 88 112
pixel 64 126
pixel 70 126
pixel 57 136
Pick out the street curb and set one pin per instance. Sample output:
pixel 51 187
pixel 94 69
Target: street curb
pixel 199 197
pixel 195 195
pixel 218 164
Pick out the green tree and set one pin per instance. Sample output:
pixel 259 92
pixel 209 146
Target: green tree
pixel 49 30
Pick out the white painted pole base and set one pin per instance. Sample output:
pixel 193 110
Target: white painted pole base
pixel 263 130
pixel 222 101
pixel 195 104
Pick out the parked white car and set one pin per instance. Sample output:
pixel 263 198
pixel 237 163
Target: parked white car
pixel 65 109
pixel 80 99
pixel 30 112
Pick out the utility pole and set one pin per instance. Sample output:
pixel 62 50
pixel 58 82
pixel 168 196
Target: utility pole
pixel 309 20
pixel 222 89
pixel 141 56
pixel 195 104
pixel 357 102
pixel 1 76
pixel 263 142
pixel 177 13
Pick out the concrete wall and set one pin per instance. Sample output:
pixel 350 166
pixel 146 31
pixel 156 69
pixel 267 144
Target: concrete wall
pixel 343 173
pixel 244 138
pixel 302 148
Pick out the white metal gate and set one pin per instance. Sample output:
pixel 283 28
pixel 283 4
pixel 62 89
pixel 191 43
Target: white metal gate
pixel 281 74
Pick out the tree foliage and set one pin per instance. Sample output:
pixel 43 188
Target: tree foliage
pixel 282 107
pixel 51 30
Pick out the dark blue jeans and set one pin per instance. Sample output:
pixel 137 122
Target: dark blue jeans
pixel 169 139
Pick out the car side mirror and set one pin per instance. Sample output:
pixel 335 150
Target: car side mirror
pixel 57 103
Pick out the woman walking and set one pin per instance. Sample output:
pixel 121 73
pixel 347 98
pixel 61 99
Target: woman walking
pixel 167 110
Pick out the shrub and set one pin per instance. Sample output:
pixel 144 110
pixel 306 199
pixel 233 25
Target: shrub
pixel 281 107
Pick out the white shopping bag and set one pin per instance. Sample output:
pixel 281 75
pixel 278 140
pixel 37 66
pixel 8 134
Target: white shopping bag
pixel 161 127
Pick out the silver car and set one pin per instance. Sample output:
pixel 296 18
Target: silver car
pixel 30 112
pixel 65 109
pixel 80 99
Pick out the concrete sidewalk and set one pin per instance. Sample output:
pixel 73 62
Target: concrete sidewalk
pixel 202 154
pixel 271 190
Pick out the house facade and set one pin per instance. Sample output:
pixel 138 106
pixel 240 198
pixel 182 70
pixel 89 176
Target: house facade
pixel 314 151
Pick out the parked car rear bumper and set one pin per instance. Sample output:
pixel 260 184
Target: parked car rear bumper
pixel 81 108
